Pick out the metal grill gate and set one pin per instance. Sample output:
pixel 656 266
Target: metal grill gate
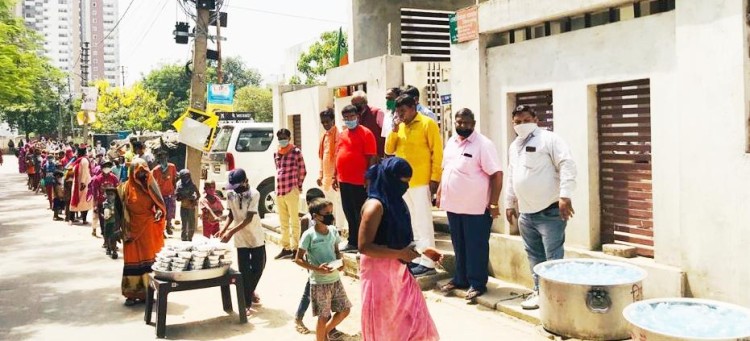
pixel 624 124
pixel 297 130
pixel 541 102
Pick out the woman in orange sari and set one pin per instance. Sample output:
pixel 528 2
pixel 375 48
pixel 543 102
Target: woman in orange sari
pixel 143 226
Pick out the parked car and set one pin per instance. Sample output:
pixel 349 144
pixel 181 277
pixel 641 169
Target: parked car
pixel 244 145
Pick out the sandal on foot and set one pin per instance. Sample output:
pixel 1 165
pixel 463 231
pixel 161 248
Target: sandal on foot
pixel 473 294
pixel 448 287
pixel 301 328
pixel 129 302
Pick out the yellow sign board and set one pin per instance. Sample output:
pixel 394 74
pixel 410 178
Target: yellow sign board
pixel 210 119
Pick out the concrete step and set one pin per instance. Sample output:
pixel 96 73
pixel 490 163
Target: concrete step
pixel 501 296
pixel 351 262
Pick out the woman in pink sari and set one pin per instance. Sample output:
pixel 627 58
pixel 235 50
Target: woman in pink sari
pixel 393 307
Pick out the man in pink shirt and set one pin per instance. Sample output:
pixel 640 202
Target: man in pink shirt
pixel 471 169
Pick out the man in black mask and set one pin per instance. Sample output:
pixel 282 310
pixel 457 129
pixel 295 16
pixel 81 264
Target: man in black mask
pixel 244 225
pixel 471 169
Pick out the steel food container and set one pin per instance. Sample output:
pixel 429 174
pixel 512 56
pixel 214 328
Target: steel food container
pixel 641 333
pixel 591 311
pixel 192 275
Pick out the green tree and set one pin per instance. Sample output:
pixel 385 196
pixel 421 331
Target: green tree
pixel 29 84
pixel 21 67
pixel 134 108
pixel 237 73
pixel 314 63
pixel 256 100
pixel 171 82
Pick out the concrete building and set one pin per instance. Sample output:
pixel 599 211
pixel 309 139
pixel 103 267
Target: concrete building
pixel 65 24
pixel 99 19
pixel 652 98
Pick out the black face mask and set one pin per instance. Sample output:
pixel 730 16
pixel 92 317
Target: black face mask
pixel 327 219
pixel 359 107
pixel 241 189
pixel 464 132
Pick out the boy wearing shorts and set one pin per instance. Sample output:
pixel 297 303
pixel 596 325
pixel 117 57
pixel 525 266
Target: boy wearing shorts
pixel 318 248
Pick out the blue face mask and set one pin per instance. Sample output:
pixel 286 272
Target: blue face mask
pixel 283 143
pixel 351 124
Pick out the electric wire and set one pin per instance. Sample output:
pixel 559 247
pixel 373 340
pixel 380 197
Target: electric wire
pixel 134 49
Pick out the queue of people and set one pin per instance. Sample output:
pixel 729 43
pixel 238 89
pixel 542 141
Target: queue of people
pixel 379 173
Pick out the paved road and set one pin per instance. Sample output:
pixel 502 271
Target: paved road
pixel 57 284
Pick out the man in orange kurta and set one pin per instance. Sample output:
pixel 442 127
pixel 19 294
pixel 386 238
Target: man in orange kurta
pixel 143 220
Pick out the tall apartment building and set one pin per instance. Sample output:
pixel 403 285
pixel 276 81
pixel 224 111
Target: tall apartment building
pixel 66 24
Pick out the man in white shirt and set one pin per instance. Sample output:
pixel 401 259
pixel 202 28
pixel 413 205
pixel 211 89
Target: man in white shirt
pixel 249 239
pixel 541 179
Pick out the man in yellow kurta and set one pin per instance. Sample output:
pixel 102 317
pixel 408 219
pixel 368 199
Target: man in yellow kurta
pixel 417 140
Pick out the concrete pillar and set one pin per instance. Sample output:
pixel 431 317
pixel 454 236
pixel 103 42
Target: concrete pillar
pixel 469 60
pixel 712 83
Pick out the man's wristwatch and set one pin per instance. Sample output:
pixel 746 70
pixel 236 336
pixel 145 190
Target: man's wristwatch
pixel 493 206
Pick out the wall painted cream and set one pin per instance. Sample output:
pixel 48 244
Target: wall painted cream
pixel 697 60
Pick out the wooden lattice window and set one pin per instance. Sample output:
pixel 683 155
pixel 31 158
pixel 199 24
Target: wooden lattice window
pixel 624 124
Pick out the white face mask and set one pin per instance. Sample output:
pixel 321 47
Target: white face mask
pixel 523 130
pixel 106 170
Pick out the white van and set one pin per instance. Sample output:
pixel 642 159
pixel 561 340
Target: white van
pixel 244 145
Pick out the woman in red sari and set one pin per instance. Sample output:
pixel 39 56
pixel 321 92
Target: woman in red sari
pixel 143 226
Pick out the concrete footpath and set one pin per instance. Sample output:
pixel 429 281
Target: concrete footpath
pixel 57 284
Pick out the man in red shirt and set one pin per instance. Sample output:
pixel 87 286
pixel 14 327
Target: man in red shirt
pixel 165 174
pixel 371 118
pixel 356 150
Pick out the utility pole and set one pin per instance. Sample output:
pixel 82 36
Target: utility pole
pixel 85 83
pixel 70 105
pixel 122 71
pixel 198 85
pixel 219 71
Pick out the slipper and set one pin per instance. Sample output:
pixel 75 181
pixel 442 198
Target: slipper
pixel 249 311
pixel 129 302
pixel 450 286
pixel 473 293
pixel 301 328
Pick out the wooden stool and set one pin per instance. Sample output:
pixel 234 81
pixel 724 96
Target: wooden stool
pixel 162 289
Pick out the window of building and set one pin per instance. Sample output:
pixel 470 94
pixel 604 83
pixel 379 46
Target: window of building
pixel 581 21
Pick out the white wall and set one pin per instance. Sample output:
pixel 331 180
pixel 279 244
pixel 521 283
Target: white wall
pixel 628 50
pixel 380 73
pixel 698 61
pixel 712 56
pixel 308 103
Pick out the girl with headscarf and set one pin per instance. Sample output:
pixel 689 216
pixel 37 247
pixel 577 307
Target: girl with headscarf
pixel 141 211
pixel 393 307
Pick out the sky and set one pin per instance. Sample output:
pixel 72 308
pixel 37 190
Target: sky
pixel 258 31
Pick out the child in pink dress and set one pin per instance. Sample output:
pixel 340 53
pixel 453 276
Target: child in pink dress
pixel 211 210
